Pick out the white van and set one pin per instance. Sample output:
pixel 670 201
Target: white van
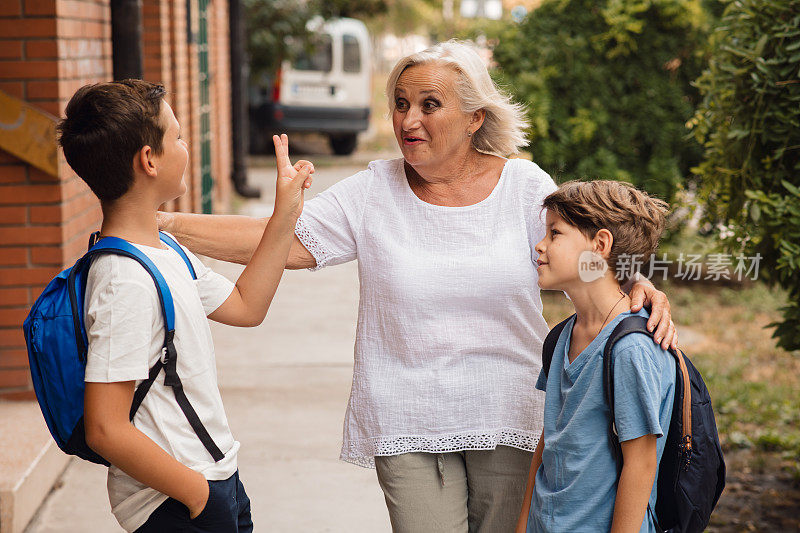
pixel 327 91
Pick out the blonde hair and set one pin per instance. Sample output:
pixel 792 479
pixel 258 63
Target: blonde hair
pixel 634 218
pixel 503 129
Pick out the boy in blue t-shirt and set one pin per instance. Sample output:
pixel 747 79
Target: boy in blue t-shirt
pixel 592 228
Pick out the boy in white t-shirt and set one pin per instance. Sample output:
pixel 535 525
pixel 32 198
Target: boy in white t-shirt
pixel 123 140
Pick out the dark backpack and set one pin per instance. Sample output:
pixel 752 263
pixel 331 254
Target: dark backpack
pixel 57 348
pixel 691 474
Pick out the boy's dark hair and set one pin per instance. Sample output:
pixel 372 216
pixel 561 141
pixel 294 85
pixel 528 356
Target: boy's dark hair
pixel 106 124
pixel 634 218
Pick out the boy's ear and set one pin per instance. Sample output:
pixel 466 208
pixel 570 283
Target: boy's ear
pixel 143 161
pixel 603 241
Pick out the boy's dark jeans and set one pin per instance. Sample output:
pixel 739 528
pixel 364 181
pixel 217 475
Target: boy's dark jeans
pixel 227 511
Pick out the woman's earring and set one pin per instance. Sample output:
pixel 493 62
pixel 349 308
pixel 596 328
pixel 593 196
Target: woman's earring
pixel 469 134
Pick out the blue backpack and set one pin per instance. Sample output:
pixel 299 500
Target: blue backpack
pixel 57 348
pixel 691 474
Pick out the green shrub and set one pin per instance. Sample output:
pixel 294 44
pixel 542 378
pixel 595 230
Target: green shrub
pixel 608 87
pixel 749 124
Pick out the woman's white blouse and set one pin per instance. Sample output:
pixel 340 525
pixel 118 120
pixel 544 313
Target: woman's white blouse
pixel 450 327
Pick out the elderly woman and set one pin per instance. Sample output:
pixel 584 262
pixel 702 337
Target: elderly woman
pixel 450 326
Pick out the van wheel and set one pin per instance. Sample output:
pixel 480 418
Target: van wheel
pixel 343 144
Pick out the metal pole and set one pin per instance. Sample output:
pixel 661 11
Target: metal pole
pixel 239 117
pixel 126 38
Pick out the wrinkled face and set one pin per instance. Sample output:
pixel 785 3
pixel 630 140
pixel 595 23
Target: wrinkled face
pixel 429 124
pixel 561 254
pixel 171 163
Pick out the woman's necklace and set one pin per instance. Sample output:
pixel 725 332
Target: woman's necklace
pixel 612 309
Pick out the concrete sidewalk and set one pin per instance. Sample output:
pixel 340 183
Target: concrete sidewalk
pixel 285 386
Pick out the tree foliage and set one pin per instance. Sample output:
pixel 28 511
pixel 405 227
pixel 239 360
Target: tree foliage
pixel 608 87
pixel 270 26
pixel 749 124
pixel 276 29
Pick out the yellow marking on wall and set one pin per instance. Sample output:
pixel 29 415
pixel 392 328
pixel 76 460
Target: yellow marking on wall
pixel 28 133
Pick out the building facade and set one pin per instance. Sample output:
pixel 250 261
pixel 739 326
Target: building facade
pixel 48 49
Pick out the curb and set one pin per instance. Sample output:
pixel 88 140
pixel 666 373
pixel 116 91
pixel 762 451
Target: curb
pixel 32 464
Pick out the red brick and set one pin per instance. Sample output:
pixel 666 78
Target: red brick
pixel 73 188
pixel 14 88
pixel 28 69
pixel 30 235
pixel 74 247
pixel 24 194
pixel 82 48
pixel 13 215
pixel 16 256
pixel 13 358
pixel 25 395
pixel 40 7
pixel 83 10
pixel 54 108
pixel 42 89
pixel 46 214
pixel 10 49
pixel 13 174
pixel 82 29
pixel 93 67
pixel 47 255
pixel 46 49
pixel 36 290
pixel 12 337
pixel 13 297
pixel 82 221
pixel 10 8
pixel 13 315
pixel 151 10
pixel 5 157
pixel 14 378
pixel 27 276
pixel 80 203
pixel 11 28
pixel 36 175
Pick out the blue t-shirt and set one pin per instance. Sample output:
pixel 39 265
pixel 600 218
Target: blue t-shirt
pixel 576 485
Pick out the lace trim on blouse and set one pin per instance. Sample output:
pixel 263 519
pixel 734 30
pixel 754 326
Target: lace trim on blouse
pixel 362 452
pixel 311 243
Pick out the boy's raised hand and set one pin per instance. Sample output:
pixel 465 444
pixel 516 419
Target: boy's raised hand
pixel 292 180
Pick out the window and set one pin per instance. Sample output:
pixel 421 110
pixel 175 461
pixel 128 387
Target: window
pixel 318 58
pixel 351 54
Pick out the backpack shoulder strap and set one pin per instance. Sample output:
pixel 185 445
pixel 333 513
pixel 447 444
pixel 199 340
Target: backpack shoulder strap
pixel 550 342
pixel 169 241
pixel 117 246
pixel 628 325
pixel 169 360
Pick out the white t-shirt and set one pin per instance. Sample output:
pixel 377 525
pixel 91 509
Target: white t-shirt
pixel 450 327
pixel 126 333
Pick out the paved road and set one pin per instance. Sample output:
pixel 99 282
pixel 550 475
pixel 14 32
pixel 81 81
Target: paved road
pixel 285 386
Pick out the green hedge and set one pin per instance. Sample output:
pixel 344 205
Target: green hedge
pixel 749 124
pixel 608 87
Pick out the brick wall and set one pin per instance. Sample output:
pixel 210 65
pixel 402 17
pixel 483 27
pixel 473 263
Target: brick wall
pixel 48 49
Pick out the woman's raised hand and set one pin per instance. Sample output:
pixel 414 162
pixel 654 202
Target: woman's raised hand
pixel 292 180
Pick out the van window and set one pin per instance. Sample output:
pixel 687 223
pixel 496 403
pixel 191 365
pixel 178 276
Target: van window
pixel 351 55
pixel 321 56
